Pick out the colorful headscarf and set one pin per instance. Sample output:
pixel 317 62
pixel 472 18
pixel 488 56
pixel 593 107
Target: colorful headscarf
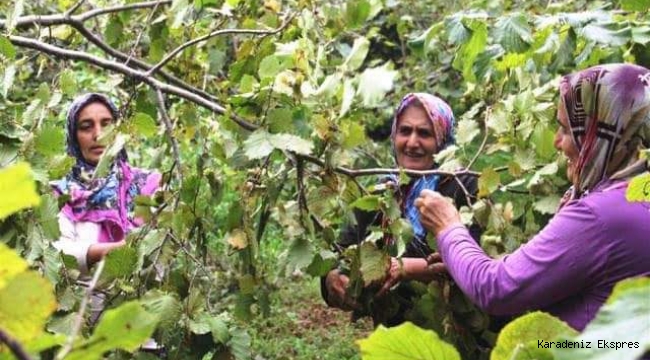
pixel 608 107
pixel 442 119
pixel 106 201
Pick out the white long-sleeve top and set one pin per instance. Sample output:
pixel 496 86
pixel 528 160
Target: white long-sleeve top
pixel 76 238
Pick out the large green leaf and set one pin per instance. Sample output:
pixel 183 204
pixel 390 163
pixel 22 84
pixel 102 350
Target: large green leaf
pixel 469 50
pixel 520 339
pixel 513 32
pixel 19 189
pixel 260 144
pixel 144 124
pixel 635 5
pixel 358 54
pixel 120 262
pixel 621 329
pixel 125 327
pixel 26 301
pixel 639 189
pixel 6 48
pixel 374 83
pixel 405 342
pixel 374 263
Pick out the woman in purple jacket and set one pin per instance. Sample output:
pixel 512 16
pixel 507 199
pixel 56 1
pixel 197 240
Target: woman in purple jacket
pixel 597 237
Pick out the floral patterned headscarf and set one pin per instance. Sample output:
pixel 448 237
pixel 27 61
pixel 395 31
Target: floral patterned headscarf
pixel 107 201
pixel 442 119
pixel 608 107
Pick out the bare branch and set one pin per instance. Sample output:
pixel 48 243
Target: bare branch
pixel 61 19
pixel 168 130
pixel 137 40
pixel 203 102
pixel 386 171
pixel 488 111
pixel 184 46
pixel 138 63
pixel 74 8
pixel 125 70
pixel 15 347
pixel 78 321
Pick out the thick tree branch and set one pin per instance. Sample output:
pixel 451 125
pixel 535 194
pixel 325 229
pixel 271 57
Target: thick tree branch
pixel 128 71
pixel 15 347
pixel 138 63
pixel 184 46
pixel 203 102
pixel 61 19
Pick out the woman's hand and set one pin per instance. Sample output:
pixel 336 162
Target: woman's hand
pixel 423 270
pixel 96 252
pixel 437 213
pixel 337 284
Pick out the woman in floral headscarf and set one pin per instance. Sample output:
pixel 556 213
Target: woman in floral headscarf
pixel 423 125
pixel 98 212
pixel 597 237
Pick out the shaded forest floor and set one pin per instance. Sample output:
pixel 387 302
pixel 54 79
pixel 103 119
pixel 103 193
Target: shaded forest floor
pixel 301 326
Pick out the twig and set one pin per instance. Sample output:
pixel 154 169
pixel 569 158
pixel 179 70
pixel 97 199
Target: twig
pixel 468 196
pixel 182 47
pixel 137 40
pixel 15 347
pixel 74 8
pixel 76 327
pixel 488 111
pixel 168 130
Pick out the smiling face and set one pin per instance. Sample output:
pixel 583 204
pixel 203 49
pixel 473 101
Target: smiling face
pixel 414 140
pixel 91 121
pixel 564 142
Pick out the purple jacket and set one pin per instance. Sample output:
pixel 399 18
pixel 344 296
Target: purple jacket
pixel 568 269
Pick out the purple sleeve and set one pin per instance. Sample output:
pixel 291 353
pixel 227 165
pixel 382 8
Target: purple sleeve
pixel 553 265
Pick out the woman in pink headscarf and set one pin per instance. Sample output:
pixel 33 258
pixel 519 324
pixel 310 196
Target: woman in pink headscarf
pixel 597 237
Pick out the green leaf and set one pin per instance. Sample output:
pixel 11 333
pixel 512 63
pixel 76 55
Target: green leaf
pixel 26 301
pixel 467 53
pixel 348 97
pixel 280 120
pixel 547 205
pixel 109 154
pixel 322 263
pixel 467 131
pixel 513 33
pixel 405 342
pixel 353 134
pixel 12 18
pixel 618 323
pixel 120 262
pixel 269 67
pixel 488 182
pixel 164 306
pixel 260 144
pixel 607 34
pixel 7 48
pixel 47 214
pixel 240 344
pixel 125 327
pixel 635 5
pixel 8 79
pixel 113 31
pixel 300 254
pixel 11 264
pixel 374 83
pixel 367 203
pixel 520 337
pixel 145 124
pixel 356 13
pixel 19 189
pixel 67 82
pixel 50 140
pixel 357 54
pixel 639 189
pixel 374 263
